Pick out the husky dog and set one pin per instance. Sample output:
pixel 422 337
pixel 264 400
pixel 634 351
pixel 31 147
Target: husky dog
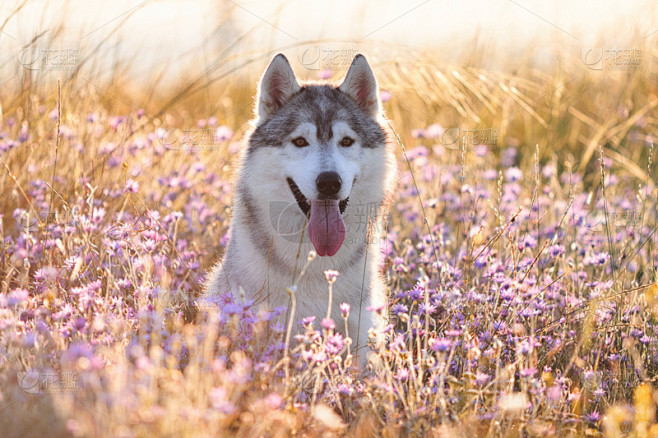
pixel 317 173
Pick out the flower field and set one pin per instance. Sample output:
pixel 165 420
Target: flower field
pixel 522 270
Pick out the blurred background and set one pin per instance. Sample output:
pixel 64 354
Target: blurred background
pixel 173 37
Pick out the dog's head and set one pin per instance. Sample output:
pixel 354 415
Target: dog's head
pixel 320 148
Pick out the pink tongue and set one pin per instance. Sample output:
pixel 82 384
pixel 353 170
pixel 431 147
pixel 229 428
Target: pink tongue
pixel 326 227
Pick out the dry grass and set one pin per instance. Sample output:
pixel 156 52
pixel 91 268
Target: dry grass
pixel 147 363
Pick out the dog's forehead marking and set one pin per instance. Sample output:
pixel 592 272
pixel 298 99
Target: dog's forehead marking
pixel 321 111
pixel 342 128
pixel 332 106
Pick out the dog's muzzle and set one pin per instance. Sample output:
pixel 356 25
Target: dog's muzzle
pixel 303 203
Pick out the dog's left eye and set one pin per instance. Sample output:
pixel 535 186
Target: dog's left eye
pixel 346 141
pixel 300 142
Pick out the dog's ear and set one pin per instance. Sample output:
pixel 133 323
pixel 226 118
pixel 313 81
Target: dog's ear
pixel 277 85
pixel 360 84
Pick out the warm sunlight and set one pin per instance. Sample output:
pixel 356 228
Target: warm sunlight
pixel 299 218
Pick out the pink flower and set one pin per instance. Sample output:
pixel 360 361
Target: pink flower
pixel 440 345
pixel 331 275
pixel 219 400
pixel 345 310
pixel 328 324
pixel 273 401
pixel 131 186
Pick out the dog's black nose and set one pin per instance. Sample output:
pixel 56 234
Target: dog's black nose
pixel 328 183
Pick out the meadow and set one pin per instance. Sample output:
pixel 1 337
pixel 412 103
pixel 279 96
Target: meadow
pixel 521 256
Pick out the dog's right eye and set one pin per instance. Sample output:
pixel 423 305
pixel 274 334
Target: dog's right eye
pixel 300 142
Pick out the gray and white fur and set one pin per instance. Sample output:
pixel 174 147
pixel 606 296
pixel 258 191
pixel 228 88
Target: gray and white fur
pixel 299 135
